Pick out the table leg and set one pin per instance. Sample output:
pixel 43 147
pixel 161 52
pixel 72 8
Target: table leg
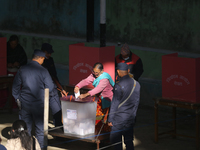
pixel 98 141
pixel 174 121
pixel 197 129
pixel 156 122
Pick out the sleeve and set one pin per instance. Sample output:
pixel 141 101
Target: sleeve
pixel 115 102
pixel 16 85
pixel 48 81
pixel 138 69
pixel 53 73
pixel 86 81
pixel 102 84
pixel 52 70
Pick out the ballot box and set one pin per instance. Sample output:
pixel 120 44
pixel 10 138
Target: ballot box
pixel 82 58
pixel 79 115
pixel 3 56
pixel 181 78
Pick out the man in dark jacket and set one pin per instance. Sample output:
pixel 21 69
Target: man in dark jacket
pixel 123 109
pixel 16 55
pixel 132 60
pixel 28 87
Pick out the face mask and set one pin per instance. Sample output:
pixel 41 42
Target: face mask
pixel 126 58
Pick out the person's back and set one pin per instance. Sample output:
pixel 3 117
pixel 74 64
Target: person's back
pixel 131 93
pixel 124 108
pixel 28 88
pixel 33 76
pixel 20 139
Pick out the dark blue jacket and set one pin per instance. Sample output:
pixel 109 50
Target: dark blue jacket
pixel 30 82
pixel 124 115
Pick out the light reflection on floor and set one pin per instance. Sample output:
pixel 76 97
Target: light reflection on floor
pixel 4 139
pixel 135 141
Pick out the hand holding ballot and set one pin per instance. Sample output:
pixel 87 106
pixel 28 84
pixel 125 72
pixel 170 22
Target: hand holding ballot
pixel 76 89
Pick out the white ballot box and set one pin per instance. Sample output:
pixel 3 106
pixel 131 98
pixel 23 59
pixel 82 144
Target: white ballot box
pixel 79 115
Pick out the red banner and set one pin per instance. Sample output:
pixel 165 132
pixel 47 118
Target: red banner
pixel 82 59
pixel 3 56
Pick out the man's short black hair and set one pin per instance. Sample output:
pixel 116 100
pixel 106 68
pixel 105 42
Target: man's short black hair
pixel 13 38
pixel 98 65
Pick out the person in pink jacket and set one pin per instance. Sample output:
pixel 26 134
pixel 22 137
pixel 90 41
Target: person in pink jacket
pixel 103 86
pixel 102 82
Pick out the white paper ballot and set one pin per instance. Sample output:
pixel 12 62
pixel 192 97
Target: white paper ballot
pixel 77 94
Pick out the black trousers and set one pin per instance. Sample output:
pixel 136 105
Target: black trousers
pixel 116 138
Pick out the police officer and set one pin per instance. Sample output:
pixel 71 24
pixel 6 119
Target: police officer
pixel 54 101
pixel 123 108
pixel 28 87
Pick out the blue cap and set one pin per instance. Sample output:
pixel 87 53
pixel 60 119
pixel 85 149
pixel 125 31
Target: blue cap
pixel 47 47
pixel 38 52
pixel 122 66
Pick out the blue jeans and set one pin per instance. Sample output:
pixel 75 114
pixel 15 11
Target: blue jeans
pixel 116 138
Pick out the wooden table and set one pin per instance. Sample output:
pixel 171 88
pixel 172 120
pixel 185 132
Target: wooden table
pixel 6 83
pixel 96 137
pixel 176 104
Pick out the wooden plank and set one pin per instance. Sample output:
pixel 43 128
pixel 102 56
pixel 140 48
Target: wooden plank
pixel 46 116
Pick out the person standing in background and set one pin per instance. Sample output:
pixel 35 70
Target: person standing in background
pixel 16 56
pixel 133 61
pixel 54 100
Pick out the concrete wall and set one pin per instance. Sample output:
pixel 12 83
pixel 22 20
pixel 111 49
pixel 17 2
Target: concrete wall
pixel 53 17
pixel 171 24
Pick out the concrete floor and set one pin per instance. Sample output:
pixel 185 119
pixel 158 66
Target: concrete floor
pixel 144 131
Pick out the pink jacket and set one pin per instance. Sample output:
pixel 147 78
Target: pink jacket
pixel 104 87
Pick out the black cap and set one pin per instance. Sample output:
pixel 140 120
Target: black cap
pixel 38 52
pixel 47 47
pixel 122 66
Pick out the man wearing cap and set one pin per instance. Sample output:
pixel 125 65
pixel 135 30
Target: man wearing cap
pixel 28 88
pixel 132 60
pixel 123 109
pixel 54 101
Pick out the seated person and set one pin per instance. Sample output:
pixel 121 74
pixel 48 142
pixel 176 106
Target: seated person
pixel 16 55
pixel 20 139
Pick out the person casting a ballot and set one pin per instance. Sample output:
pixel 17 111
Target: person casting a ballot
pixel 103 86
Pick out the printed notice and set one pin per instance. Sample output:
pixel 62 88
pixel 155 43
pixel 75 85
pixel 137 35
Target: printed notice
pixel 71 114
